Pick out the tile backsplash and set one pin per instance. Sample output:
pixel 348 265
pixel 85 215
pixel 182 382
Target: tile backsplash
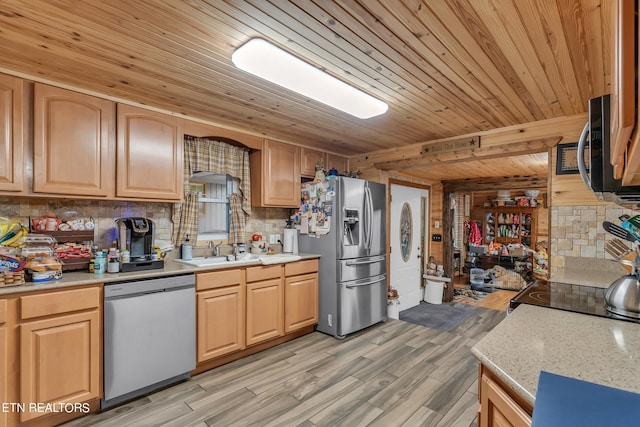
pixel 576 232
pixel 263 220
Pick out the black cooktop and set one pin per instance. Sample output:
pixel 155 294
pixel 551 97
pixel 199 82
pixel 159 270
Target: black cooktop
pixel 565 296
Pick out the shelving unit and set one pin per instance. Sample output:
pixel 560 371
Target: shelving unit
pixel 509 224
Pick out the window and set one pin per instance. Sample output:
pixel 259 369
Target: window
pixel 213 203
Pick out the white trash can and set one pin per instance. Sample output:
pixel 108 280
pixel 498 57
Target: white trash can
pixel 393 309
pixel 433 292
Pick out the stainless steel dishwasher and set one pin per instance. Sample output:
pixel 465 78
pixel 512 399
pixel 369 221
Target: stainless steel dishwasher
pixel 149 335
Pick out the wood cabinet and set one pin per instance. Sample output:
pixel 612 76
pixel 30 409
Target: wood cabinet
pixel 509 225
pixel 264 303
pixel 12 133
pixel 309 158
pixel 340 163
pixel 220 313
pixel 625 132
pixel 4 360
pixel 498 407
pixel 300 295
pixel 60 348
pixel 149 154
pixel 245 310
pixel 275 175
pixel 73 143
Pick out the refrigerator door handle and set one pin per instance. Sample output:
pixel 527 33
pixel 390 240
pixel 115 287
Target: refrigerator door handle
pixel 372 260
pixel 368 218
pixel 372 282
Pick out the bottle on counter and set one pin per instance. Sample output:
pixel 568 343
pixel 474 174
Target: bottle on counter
pixel 113 261
pixel 186 249
pixel 100 263
pixel 125 256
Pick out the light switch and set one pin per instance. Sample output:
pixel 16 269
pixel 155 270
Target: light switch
pixel 436 224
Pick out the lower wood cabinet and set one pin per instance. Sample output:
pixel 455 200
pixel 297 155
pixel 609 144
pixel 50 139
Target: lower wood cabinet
pixel 59 360
pixel 264 304
pixel 220 313
pixel 50 355
pixel 4 361
pixel 245 310
pixel 300 295
pixel 498 406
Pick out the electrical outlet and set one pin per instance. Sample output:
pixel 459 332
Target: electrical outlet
pixel 436 237
pixel 273 238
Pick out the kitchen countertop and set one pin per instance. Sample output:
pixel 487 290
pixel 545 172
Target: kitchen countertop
pixel 171 268
pixel 589 348
pixel 587 277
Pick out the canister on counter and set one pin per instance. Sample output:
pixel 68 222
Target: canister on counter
pixel 100 264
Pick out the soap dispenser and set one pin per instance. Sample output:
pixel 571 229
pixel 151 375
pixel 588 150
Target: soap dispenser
pixel 186 249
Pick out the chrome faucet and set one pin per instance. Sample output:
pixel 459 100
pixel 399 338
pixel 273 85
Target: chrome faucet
pixel 216 248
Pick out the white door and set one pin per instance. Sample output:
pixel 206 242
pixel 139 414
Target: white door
pixel 406 224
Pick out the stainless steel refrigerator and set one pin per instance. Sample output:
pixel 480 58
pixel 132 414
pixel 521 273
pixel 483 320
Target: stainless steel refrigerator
pixel 353 267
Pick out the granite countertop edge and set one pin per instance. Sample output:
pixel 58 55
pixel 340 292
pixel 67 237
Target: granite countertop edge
pixel 534 339
pixel 82 278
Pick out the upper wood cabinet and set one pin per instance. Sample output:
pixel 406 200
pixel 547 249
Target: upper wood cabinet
pixel 73 143
pixel 12 102
pixel 275 175
pixel 340 163
pixel 149 155
pixel 625 132
pixel 310 158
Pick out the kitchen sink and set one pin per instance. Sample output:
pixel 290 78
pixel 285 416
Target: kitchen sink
pixel 217 260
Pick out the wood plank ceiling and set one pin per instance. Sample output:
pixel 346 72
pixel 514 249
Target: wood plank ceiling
pixel 445 67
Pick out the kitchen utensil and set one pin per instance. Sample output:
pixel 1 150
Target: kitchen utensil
pixel 623 297
pixel 634 220
pixel 622 246
pixel 618 231
pixel 615 250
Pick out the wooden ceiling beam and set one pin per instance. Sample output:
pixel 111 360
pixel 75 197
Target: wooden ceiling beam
pixel 488 184
pixel 480 153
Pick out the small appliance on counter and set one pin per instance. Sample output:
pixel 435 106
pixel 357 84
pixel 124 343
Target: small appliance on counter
pixel 136 235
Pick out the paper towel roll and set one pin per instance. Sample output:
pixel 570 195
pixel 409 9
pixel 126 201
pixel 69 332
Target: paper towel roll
pixel 290 244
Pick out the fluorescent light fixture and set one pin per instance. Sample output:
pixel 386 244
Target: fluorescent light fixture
pixel 261 58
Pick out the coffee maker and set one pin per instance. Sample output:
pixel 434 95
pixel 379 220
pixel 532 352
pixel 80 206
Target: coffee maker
pixel 136 235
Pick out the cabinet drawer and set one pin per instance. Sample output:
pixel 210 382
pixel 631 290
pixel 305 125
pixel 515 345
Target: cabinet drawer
pixel 59 302
pixel 300 267
pixel 218 279
pixel 3 311
pixel 255 274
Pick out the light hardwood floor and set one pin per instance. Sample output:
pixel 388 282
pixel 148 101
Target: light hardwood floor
pixel 392 374
pixel 497 300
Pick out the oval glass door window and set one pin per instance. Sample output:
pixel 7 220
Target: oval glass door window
pixel 405 231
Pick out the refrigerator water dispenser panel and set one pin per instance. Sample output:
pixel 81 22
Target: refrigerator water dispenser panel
pixel 351 229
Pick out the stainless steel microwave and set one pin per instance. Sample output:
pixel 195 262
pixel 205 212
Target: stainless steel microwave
pixel 594 157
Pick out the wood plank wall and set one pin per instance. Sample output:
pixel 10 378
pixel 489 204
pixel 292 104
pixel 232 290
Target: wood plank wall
pixel 562 189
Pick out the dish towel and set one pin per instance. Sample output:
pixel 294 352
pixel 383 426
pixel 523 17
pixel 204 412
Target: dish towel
pixel 569 402
pixel 278 259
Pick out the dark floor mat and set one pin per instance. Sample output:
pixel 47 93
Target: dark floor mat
pixel 438 316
